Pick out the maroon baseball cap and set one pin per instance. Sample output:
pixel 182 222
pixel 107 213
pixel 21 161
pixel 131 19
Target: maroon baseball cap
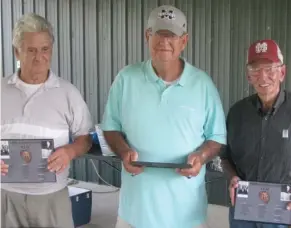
pixel 264 49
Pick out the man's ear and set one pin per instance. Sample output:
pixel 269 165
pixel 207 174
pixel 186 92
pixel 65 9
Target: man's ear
pixel 249 78
pixel 16 52
pixel 147 35
pixel 283 73
pixel 185 39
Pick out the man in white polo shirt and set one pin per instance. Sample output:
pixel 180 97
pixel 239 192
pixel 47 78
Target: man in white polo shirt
pixel 164 110
pixel 36 103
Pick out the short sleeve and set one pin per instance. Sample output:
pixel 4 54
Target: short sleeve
pixel 214 127
pixel 81 120
pixel 111 117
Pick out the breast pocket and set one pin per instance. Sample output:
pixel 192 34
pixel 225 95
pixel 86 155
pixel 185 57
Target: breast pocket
pixel 278 144
pixel 280 135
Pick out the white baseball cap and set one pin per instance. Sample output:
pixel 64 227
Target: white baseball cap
pixel 168 17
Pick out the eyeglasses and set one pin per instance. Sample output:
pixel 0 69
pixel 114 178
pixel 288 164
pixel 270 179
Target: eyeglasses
pixel 168 36
pixel 269 70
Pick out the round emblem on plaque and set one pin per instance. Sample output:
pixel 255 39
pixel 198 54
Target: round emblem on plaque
pixel 26 156
pixel 264 196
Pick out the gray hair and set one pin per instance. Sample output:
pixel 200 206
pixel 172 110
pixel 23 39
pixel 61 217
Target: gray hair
pixel 30 23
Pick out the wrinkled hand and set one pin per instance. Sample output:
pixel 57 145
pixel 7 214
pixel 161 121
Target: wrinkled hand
pixel 232 186
pixel 60 159
pixel 129 157
pixel 4 168
pixel 196 161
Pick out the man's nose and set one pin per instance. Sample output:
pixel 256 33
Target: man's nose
pixel 263 74
pixel 38 55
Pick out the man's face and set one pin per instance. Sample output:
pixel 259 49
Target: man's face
pixel 266 76
pixel 26 156
pixel 35 52
pixel 165 46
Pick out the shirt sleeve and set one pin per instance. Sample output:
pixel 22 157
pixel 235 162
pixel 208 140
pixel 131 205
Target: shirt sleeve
pixel 80 121
pixel 111 120
pixel 214 127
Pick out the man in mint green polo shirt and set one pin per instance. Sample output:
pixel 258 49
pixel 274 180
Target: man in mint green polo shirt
pixel 164 110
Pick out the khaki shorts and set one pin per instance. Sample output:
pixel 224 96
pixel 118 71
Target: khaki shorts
pixel 51 210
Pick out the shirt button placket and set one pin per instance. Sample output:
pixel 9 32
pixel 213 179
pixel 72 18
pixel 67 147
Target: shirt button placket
pixel 164 96
pixel 263 141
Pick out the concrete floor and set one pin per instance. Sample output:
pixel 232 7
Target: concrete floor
pixel 104 208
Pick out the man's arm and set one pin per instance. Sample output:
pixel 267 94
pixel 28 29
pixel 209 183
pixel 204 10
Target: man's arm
pixel 116 142
pixel 226 161
pixel 209 150
pixel 214 127
pixel 214 131
pixel 61 158
pixel 80 125
pixel 80 146
pixel 111 122
pixel 112 127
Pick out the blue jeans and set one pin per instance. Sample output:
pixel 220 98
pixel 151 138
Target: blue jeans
pixel 245 224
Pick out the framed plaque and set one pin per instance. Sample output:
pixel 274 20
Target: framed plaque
pixel 27 160
pixel 263 202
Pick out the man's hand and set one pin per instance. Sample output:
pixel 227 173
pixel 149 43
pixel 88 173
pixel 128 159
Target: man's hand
pixel 4 168
pixel 196 161
pixel 60 159
pixel 129 157
pixel 289 206
pixel 232 186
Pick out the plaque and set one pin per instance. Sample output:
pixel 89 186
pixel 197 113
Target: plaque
pixel 263 202
pixel 27 160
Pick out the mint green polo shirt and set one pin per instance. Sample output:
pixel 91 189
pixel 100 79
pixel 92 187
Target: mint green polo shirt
pixel 164 124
